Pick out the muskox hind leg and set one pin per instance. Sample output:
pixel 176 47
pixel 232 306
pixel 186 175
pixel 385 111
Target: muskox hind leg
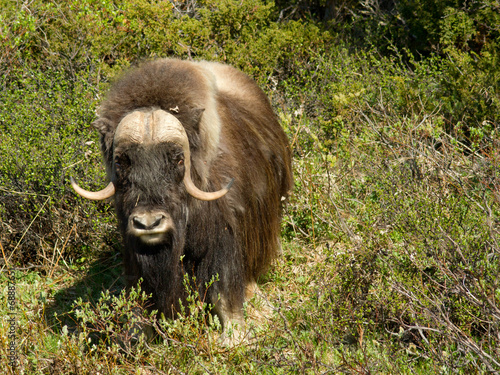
pixel 259 309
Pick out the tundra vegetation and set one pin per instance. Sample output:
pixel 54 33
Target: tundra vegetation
pixel 391 239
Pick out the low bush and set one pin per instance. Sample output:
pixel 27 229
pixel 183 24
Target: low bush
pixel 45 138
pixel 401 209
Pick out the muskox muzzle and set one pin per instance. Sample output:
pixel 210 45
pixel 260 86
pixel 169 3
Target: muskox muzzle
pixel 151 227
pixel 146 126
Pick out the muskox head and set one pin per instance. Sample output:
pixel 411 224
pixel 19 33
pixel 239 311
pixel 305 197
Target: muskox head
pixel 151 176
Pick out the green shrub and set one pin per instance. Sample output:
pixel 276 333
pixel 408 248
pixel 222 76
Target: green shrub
pixel 423 247
pixel 108 36
pixel 44 139
pixel 399 206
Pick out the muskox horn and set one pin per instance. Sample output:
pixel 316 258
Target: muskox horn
pixel 197 193
pixel 171 130
pixel 107 192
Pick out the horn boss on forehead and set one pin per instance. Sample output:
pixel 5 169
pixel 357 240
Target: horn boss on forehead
pixel 175 130
pixel 152 127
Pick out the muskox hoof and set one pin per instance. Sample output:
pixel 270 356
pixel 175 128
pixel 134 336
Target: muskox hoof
pixel 235 334
pixel 258 311
pixel 138 331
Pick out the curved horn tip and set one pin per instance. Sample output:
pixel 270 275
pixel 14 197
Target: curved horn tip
pixel 73 183
pixel 205 196
pixel 105 193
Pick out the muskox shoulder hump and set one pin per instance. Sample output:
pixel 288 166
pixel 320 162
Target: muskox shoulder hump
pixel 232 82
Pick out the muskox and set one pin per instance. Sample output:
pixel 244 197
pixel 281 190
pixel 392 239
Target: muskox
pixel 199 169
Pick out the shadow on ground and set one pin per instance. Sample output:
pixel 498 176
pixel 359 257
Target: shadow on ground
pixel 105 273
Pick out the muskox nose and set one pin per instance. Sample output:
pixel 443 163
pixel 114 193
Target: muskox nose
pixel 151 227
pixel 147 221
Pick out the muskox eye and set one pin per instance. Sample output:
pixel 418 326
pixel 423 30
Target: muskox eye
pixel 121 163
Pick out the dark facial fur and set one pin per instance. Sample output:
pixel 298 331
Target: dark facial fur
pixel 149 178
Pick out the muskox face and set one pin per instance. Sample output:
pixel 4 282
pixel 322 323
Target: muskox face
pixel 150 196
pixel 151 177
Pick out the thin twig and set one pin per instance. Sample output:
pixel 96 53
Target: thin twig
pixel 61 252
pixel 23 193
pixel 4 257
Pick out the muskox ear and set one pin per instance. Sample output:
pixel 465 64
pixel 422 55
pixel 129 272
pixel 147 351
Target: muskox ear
pixel 196 114
pixel 191 118
pixel 106 128
pixel 103 125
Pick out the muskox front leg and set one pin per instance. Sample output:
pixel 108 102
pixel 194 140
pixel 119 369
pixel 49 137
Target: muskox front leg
pixel 227 296
pixel 233 322
pixel 140 327
pixel 235 329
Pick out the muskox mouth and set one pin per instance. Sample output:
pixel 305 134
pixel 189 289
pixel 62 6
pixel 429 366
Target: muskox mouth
pixel 153 238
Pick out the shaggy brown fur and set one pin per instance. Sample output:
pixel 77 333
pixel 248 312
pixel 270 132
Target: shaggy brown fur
pixel 233 133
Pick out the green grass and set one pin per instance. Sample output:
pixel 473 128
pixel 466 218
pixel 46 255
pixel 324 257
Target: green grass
pixel 53 336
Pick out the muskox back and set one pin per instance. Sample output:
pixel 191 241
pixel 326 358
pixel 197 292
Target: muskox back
pixel 233 135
